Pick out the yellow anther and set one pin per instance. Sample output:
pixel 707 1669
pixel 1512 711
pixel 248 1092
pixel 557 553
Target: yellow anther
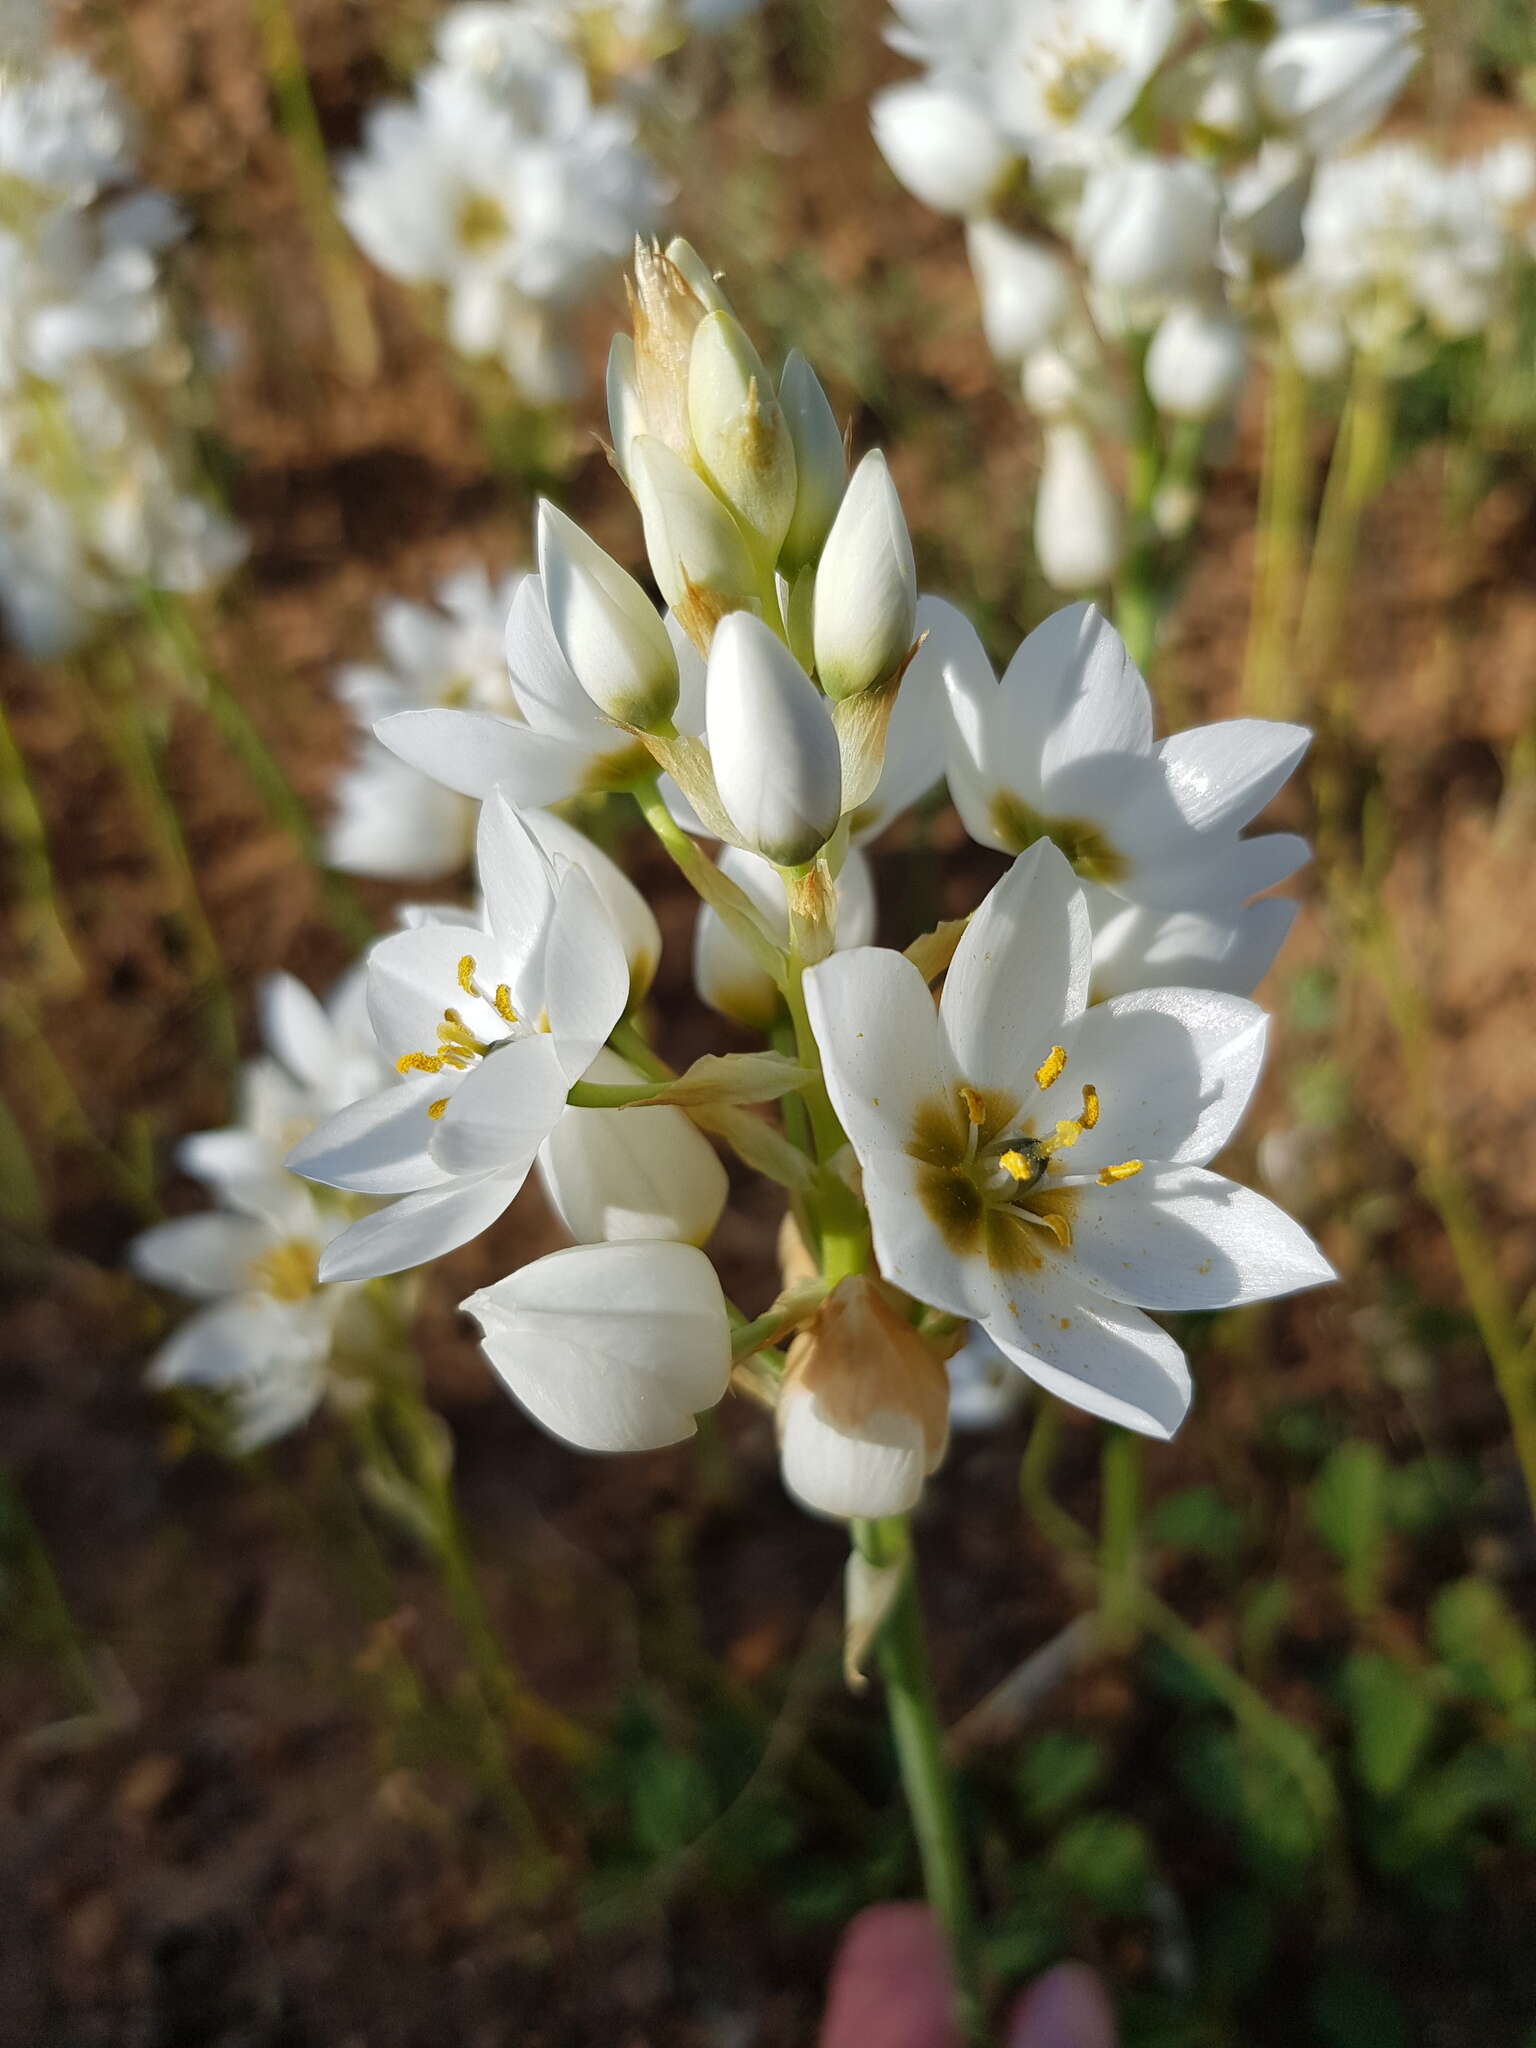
pixel 1050 1068
pixel 1126 1170
pixel 504 1009
pixel 435 1109
pixel 418 1063
pixel 467 974
pixel 1058 1226
pixel 975 1108
pixel 1017 1166
pixel 1090 1105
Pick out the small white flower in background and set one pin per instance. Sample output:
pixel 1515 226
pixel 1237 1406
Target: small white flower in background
pixel 389 819
pixel 488 1026
pixel 1147 229
pixel 1062 749
pixel 1026 289
pixel 1039 1166
pixel 1329 79
pixel 614 1347
pixel 1079 523
pixel 1197 362
pixel 939 137
pixel 986 1388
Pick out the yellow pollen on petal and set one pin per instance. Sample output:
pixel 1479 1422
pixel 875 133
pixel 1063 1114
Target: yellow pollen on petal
pixel 503 1004
pixel 418 1063
pixel 1126 1170
pixel 1050 1068
pixel 1090 1106
pixel 435 1109
pixel 467 974
pixel 1017 1167
pixel 975 1108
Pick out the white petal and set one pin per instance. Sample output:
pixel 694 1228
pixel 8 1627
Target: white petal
pixel 237 1341
pixel 380 1145
pixel 393 823
pixel 543 681
pixel 1181 1238
pixel 417 1228
pixel 1103 705
pixel 413 977
pixel 502 1110
pixel 619 1174
pixel 517 879
pixel 878 1470
pixel 612 1347
pixel 473 753
pixel 297 1030
pixel 874 1021
pixel 1021 970
pixel 1112 1361
pixel 585 971
pixel 1224 774
pixel 201 1256
pixel 1134 948
pixel 1219 879
pixel 627 910
pixel 1174 1069
pixel 915 740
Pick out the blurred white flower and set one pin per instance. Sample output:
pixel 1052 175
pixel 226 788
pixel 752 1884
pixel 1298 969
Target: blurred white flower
pixel 986 1388
pixel 1079 524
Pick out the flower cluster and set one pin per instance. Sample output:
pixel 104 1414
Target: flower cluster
pixel 268 1334
pixel 1028 1154
pixel 97 498
pixel 512 182
pixel 1133 174
pixel 1404 251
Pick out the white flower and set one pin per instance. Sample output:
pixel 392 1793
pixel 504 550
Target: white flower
pixel 1135 948
pixel 1069 69
pixel 1196 362
pixel 725 974
pixel 1079 523
pixel 986 1388
pixel 866 586
pixel 1026 289
pixel 1039 1166
pixel 627 1174
pixel 564 748
pixel 1062 749
pixel 488 1028
pixel 1328 81
pixel 65 130
pixel 605 625
pixel 942 143
pixel 613 1347
pixel 264 1341
pixel 1147 226
pixel 390 820
pixel 772 744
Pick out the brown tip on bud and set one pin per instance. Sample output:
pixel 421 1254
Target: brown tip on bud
pixel 664 313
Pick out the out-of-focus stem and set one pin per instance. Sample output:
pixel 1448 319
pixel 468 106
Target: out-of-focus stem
pixel 341 277
pixel 41 928
pixel 1355 474
pixel 1268 675
pixel 1138 595
pixel 925 1770
pixel 1119 1547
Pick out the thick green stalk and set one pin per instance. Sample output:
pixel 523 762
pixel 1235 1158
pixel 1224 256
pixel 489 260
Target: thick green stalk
pixel 925 1771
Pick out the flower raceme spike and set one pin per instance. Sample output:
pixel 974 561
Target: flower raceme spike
pixel 488 1026
pixel 1062 749
pixel 614 1347
pixel 772 744
pixel 866 586
pixel 1053 1200
pixel 605 625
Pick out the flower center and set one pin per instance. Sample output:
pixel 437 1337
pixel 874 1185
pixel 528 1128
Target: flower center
pixel 479 224
pixel 287 1271
pixel 1076 72
pixel 1019 825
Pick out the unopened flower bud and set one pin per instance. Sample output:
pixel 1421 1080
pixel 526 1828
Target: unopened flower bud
pixel 607 628
pixel 1025 289
pixel 619 1175
pixel 821 466
pixel 942 145
pixel 740 434
pixel 863 1414
pixel 614 1347
pixel 1079 527
pixel 866 586
pixel 701 280
pixel 1147 226
pixel 697 552
pixel 625 419
pixel 665 311
pixel 1196 363
pixel 772 744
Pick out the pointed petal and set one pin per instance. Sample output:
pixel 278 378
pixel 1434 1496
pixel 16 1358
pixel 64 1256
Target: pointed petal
pixel 1109 1360
pixel 517 879
pixel 296 1030
pixel 204 1257
pixel 417 1228
pixel 502 1110
pixel 1174 1069
pixel 378 1146
pixel 474 752
pixel 1021 970
pixel 1223 775
pixel 413 977
pixel 874 1021
pixel 1181 1238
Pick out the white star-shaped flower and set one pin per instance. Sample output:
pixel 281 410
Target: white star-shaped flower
pixel 1039 1166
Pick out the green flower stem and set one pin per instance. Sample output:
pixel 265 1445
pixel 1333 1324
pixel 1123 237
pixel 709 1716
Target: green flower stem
pixel 1119 1548
pixel 925 1772
pixel 1355 474
pixel 1269 683
pixel 1138 588
pixel 341 277
pixel 792 1308
pixel 627 1039
pixel 40 921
